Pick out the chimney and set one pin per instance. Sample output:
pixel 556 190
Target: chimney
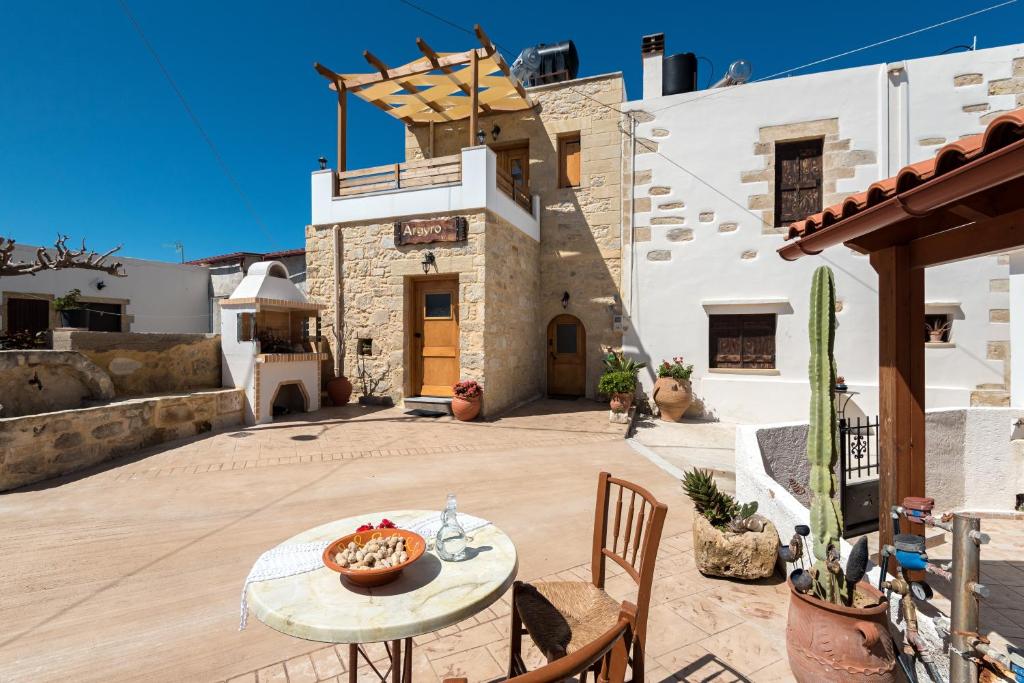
pixel 652 51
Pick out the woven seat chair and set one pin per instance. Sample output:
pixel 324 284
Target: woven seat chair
pixel 606 653
pixel 561 617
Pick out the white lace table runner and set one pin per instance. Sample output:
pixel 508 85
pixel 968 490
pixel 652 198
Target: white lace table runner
pixel 298 558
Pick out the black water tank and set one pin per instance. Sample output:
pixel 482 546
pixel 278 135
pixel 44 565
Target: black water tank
pixel 679 74
pixel 558 62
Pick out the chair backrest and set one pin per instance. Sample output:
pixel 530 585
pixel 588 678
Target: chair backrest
pixel 611 647
pixel 627 529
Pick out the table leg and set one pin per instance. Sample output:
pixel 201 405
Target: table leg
pixel 396 661
pixel 407 666
pixel 353 663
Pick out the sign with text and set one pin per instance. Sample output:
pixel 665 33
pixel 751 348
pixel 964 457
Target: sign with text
pixel 435 230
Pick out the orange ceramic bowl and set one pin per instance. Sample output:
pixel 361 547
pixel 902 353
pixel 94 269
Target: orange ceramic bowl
pixel 415 546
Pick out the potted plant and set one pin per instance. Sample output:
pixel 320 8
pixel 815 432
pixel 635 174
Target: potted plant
pixel 673 392
pixel 466 400
pixel 340 390
pixel 837 626
pixel 620 386
pixel 728 538
pixel 71 312
pixel 937 330
pixel 368 383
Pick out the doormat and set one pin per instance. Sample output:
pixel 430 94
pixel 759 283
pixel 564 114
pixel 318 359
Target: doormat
pixel 420 412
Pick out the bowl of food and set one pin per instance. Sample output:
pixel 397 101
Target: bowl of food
pixel 374 557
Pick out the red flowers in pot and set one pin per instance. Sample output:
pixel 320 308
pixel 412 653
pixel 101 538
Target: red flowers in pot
pixel 466 401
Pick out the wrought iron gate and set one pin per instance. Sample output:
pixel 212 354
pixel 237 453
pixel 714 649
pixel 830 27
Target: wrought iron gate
pixel 858 475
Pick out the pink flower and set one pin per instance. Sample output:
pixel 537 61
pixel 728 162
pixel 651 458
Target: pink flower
pixel 365 527
pixel 386 524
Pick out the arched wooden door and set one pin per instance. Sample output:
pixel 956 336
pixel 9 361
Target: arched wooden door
pixel 567 356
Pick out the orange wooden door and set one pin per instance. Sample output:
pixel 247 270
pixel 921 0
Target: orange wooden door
pixel 436 337
pixel 567 357
pixel 515 161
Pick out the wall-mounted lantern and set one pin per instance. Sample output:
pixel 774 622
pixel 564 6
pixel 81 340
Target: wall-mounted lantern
pixel 495 132
pixel 323 163
pixel 565 299
pixel 428 261
pixel 481 137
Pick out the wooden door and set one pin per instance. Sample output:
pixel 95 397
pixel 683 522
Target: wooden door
pixel 27 315
pixel 567 357
pixel 436 337
pixel 515 161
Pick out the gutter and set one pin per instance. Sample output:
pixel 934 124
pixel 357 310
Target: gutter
pixel 983 173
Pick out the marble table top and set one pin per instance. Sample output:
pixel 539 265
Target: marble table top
pixel 429 595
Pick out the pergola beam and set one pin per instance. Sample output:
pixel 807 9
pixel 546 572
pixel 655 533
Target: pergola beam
pixel 491 51
pixel 983 238
pixel 406 86
pixel 435 59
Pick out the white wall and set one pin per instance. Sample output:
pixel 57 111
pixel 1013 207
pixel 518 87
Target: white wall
pixel 1017 327
pixel 712 135
pixel 162 297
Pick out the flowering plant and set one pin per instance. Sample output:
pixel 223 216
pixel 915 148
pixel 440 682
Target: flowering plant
pixel 384 524
pixel 677 369
pixel 468 389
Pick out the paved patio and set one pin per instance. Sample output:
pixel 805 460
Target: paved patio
pixel 133 571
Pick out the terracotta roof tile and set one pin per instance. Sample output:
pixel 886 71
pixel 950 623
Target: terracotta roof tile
pixel 1003 130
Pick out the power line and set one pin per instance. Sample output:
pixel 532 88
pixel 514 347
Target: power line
pixel 199 126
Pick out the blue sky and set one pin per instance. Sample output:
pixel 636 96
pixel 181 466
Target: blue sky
pixel 94 143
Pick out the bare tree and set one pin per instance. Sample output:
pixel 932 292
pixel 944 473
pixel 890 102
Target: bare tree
pixel 66 258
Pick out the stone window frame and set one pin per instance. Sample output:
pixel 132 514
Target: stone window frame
pixel 6 295
pixel 838 160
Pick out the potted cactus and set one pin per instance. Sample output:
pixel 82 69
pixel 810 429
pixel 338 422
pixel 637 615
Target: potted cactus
pixel 728 538
pixel 838 625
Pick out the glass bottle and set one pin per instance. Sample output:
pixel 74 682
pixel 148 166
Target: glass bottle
pixel 451 537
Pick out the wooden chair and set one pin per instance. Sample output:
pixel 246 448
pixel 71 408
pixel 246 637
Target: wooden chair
pixel 561 617
pixel 607 653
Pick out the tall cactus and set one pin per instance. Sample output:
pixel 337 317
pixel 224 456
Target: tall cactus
pixel 822 454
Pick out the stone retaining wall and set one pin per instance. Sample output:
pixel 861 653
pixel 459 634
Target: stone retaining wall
pixel 38 447
pixel 140 364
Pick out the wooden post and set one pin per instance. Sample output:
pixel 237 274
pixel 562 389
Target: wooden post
pixel 474 96
pixel 901 441
pixel 341 126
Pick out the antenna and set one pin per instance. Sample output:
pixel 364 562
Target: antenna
pixel 177 246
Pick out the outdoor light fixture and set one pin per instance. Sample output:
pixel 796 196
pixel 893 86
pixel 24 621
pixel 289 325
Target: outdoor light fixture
pixel 481 137
pixel 101 284
pixel 495 132
pixel 428 261
pixel 323 163
pixel 565 299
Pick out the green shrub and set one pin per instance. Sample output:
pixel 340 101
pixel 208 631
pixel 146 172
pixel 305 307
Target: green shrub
pixel 618 382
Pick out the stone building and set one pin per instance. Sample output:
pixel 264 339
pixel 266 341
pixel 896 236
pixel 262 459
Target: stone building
pixel 492 252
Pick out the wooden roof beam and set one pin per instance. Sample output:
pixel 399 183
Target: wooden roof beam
pixel 493 52
pixel 409 88
pixel 429 53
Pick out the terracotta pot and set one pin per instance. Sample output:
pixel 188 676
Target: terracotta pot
pixel 340 390
pixel 673 397
pixel 827 642
pixel 620 403
pixel 935 337
pixel 465 409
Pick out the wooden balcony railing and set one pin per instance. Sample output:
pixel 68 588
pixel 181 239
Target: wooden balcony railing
pixel 519 194
pixel 411 174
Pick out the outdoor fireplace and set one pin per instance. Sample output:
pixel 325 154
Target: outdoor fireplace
pixel 270 342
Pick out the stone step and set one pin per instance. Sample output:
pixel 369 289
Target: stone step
pixel 427 405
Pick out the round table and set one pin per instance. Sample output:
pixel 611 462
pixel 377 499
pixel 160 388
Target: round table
pixel 429 595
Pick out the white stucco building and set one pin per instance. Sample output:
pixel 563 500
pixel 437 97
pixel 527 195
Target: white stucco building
pixel 154 296
pixel 702 271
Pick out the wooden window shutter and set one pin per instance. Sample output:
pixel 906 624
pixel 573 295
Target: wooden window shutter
pixel 798 180
pixel 569 162
pixel 742 341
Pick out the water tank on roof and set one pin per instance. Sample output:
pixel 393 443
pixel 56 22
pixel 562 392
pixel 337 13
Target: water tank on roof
pixel 679 74
pixel 547 64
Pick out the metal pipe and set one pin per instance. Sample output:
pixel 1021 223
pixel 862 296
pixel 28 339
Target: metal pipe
pixel 964 619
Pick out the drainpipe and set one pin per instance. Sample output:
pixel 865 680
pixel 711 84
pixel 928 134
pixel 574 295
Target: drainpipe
pixel 339 348
pixel 627 276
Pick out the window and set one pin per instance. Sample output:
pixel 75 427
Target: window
pixel 797 180
pixel 246 327
pixel 104 317
pixel 365 347
pixel 569 161
pixel 438 305
pixel 742 341
pixel 565 338
pixel 27 315
pixel 937 328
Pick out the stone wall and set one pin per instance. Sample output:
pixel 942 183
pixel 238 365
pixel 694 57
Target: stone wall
pixel 140 363
pixel 374 303
pixel 580 227
pixel 38 447
pixel 41 381
pixel 513 339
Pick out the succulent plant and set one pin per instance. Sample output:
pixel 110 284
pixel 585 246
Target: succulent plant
pixel 721 509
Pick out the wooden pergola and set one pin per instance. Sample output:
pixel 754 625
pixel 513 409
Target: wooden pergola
pixel 967 201
pixel 439 87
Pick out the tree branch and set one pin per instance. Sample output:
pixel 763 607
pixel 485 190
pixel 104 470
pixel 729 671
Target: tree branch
pixel 65 259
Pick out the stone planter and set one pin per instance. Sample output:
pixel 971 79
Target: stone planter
pixel 465 409
pixel 340 390
pixel 749 555
pixel 621 402
pixel 385 401
pixel 827 642
pixel 673 397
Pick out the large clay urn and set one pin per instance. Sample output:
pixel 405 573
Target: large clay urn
pixel 340 390
pixel 465 409
pixel 673 397
pixel 840 644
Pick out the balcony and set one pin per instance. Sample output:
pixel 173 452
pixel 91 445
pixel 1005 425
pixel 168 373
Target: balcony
pixel 469 181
